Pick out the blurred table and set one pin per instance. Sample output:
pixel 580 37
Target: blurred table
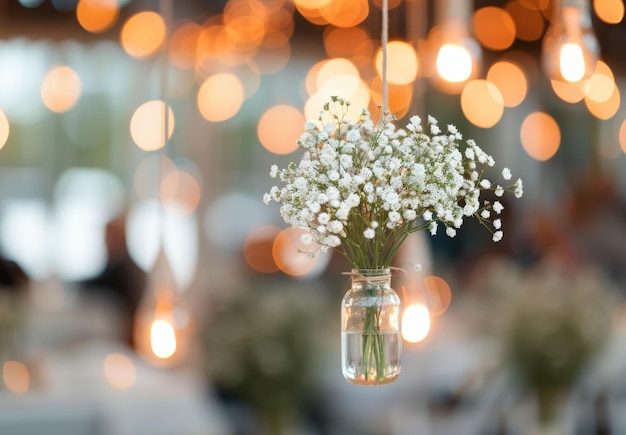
pixel 73 392
pixel 75 397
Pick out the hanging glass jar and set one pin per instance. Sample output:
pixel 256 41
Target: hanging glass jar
pixel 371 345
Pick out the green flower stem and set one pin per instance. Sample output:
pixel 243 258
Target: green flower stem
pixel 373 350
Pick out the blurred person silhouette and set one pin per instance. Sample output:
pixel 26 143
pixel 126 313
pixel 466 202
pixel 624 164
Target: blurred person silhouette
pixel 121 281
pixel 12 276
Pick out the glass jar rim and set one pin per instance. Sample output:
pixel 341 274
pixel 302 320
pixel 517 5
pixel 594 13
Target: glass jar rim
pixel 371 272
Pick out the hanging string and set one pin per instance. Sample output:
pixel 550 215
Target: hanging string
pixel 384 37
pixel 165 10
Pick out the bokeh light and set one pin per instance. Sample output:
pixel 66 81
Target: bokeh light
pixel 147 125
pixel 279 129
pixel 338 77
pixel 454 63
pixel 181 190
pixel 163 339
pixel 311 10
pixel 245 23
pixel 291 255
pixel 609 11
pixel 272 58
pixel 220 97
pixel 184 44
pixel 352 43
pixel 399 97
pixel 510 80
pixel 605 109
pixel 257 249
pixel 402 63
pixel 16 376
pixel 482 103
pixel 622 136
pixel 540 136
pixel 359 99
pixel 415 323
pixel 97 16
pixel 143 34
pixel 4 129
pixel 61 89
pixel 120 371
pixel 494 28
pixel 345 13
pixel 569 92
pixel 600 88
pixel 439 294
pixel 148 174
pixel 30 3
pixel 529 22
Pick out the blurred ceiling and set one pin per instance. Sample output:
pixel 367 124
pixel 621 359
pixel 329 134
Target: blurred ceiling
pixel 55 20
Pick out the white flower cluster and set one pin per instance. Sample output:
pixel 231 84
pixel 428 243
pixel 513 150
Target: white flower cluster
pixel 358 182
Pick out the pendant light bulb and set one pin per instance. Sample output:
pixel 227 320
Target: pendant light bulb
pixel 570 49
pixel 163 327
pixel 457 55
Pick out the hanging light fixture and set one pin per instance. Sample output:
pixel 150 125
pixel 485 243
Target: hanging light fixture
pixel 570 48
pixel 163 323
pixel 457 55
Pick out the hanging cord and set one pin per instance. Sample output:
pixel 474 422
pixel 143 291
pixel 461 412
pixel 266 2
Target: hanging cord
pixel 384 37
pixel 165 10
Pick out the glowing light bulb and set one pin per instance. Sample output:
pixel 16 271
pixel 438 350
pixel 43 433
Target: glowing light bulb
pixel 162 339
pixel 570 48
pixel 454 63
pixel 415 323
pixel 163 323
pixel 456 54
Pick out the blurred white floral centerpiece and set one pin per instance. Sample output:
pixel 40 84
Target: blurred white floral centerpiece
pixel 553 320
pixel 361 188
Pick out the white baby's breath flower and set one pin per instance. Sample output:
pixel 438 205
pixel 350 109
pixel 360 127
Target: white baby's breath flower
pixel 506 173
pixel 306 239
pixel 353 135
pixel 334 227
pixel 332 241
pixel 273 171
pixel 497 236
pixel 519 188
pixel 409 215
pixel 498 207
pixel 365 171
pixel 433 228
